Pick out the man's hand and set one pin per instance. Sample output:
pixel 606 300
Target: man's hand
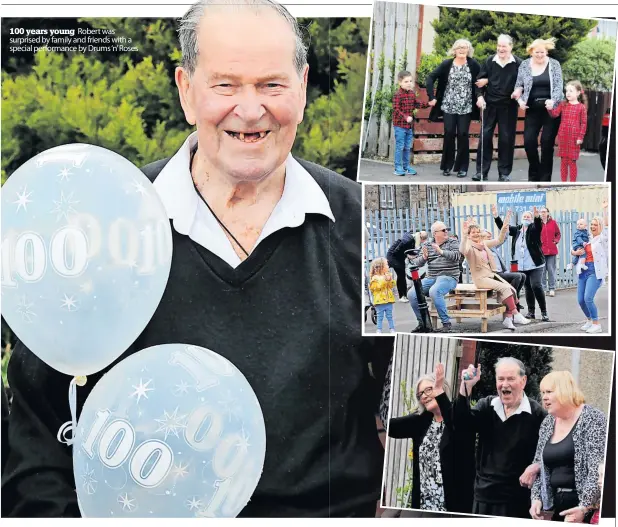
pixel 469 378
pixel 535 510
pixel 433 102
pixel 549 104
pixel 494 210
pixel 574 515
pixel 535 212
pixel 480 83
pixel 425 252
pixel 438 385
pixel 480 102
pixel 517 93
pixel 529 475
pixel 507 218
pixel 436 248
pixel 409 119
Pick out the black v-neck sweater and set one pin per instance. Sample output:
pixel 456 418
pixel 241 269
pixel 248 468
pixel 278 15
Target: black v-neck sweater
pixel 289 318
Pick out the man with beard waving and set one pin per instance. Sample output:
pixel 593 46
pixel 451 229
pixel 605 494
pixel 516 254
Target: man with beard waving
pixel 508 429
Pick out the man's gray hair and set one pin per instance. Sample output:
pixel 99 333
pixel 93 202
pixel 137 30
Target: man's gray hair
pixel 505 37
pixel 511 360
pixel 436 224
pixel 189 24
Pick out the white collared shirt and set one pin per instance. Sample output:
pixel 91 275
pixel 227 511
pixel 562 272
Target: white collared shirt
pixel 301 195
pixel 497 59
pixel 524 406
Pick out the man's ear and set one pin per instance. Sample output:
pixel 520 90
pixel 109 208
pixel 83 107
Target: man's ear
pixel 183 83
pixel 303 95
pixel 525 378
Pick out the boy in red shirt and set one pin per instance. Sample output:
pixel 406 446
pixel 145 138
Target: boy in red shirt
pixel 404 104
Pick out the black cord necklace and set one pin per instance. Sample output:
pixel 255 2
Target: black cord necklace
pixel 210 209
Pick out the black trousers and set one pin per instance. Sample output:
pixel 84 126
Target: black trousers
pixel 456 127
pixel 517 280
pixel 400 271
pixel 505 116
pixel 512 509
pixel 538 120
pixel 534 289
pixel 563 501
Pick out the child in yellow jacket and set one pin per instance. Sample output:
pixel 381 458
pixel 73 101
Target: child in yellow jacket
pixel 381 286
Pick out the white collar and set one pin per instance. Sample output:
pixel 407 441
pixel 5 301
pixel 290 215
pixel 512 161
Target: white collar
pixel 524 406
pixel 301 196
pixel 496 59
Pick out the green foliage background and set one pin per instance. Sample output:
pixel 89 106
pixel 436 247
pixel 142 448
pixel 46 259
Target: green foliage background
pixel 592 63
pixel 128 102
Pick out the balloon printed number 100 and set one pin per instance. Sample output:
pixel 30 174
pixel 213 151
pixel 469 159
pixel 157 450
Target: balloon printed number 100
pixel 152 460
pixel 70 250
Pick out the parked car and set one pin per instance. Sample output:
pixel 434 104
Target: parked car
pixel 604 134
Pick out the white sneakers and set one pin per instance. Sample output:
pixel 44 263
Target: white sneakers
pixel 508 323
pixel 594 328
pixel 403 299
pixel 586 326
pixel 518 318
pixel 393 331
pixel 552 292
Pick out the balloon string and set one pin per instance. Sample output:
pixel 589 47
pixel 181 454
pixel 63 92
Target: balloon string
pixel 72 424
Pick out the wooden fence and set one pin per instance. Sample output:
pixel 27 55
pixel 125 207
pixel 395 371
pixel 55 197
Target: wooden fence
pixel 414 356
pixel 389 225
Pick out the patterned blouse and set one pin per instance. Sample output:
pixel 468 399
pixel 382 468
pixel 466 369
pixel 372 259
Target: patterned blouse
pixel 458 93
pixel 432 486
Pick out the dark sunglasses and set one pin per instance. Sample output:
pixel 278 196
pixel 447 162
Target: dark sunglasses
pixel 442 230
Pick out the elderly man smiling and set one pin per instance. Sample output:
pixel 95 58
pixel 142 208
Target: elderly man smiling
pixel 508 429
pixel 266 272
pixel 442 257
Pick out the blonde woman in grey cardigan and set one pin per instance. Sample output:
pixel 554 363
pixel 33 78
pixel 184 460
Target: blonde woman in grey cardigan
pixel 570 449
pixel 539 87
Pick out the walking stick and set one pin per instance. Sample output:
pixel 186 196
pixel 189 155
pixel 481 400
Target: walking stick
pixel 482 137
pixel 425 322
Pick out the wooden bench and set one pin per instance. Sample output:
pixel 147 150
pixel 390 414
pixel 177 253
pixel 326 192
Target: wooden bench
pixel 470 302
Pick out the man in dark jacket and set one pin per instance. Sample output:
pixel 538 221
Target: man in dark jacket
pixel 508 430
pixel 496 82
pixel 396 258
pixel 258 237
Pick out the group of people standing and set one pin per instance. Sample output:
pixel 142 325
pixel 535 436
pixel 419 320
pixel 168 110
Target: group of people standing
pixel 461 90
pixel 532 267
pixel 507 454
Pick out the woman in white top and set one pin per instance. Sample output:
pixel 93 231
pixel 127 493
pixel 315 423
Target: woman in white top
pixel 591 279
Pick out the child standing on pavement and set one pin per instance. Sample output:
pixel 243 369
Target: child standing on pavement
pixel 381 285
pixel 404 104
pixel 572 128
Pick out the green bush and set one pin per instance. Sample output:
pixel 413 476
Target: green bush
pixel 429 62
pixel 592 63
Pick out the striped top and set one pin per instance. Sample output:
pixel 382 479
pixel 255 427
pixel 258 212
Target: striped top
pixel 446 264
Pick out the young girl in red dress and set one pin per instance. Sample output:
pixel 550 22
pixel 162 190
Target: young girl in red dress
pixel 572 128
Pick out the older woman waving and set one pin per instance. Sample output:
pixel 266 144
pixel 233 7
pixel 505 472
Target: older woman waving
pixel 570 449
pixel 436 486
pixel 483 268
pixel 539 86
pixel 597 263
pixel 455 101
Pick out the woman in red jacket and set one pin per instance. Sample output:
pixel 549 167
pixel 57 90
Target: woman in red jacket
pixel 550 236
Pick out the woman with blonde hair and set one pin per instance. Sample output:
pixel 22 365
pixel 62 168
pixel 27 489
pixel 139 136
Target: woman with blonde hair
pixel 477 251
pixel 539 87
pixel 597 263
pixel 570 449
pixel 455 103
pixel 436 485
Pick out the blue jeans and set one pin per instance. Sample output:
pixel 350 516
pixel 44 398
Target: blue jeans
pixel 550 269
pixel 438 288
pixel 403 143
pixel 587 287
pixel 385 309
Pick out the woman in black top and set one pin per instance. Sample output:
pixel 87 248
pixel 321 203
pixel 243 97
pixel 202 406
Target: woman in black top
pixel 570 449
pixel 455 103
pixel 436 450
pixel 539 87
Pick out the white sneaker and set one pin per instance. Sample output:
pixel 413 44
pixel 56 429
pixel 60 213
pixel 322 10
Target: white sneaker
pixel 518 318
pixel 586 326
pixel 508 323
pixel 393 331
pixel 552 292
pixel 594 328
pixel 569 267
pixel 378 331
pixel 403 299
pixel 585 267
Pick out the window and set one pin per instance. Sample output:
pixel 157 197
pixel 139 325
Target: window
pixel 387 196
pixel 432 197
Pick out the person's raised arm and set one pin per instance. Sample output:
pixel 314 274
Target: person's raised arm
pixel 502 234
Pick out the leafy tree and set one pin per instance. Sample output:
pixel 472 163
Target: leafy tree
pixel 592 63
pixel 482 28
pixel 429 62
pixel 536 359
